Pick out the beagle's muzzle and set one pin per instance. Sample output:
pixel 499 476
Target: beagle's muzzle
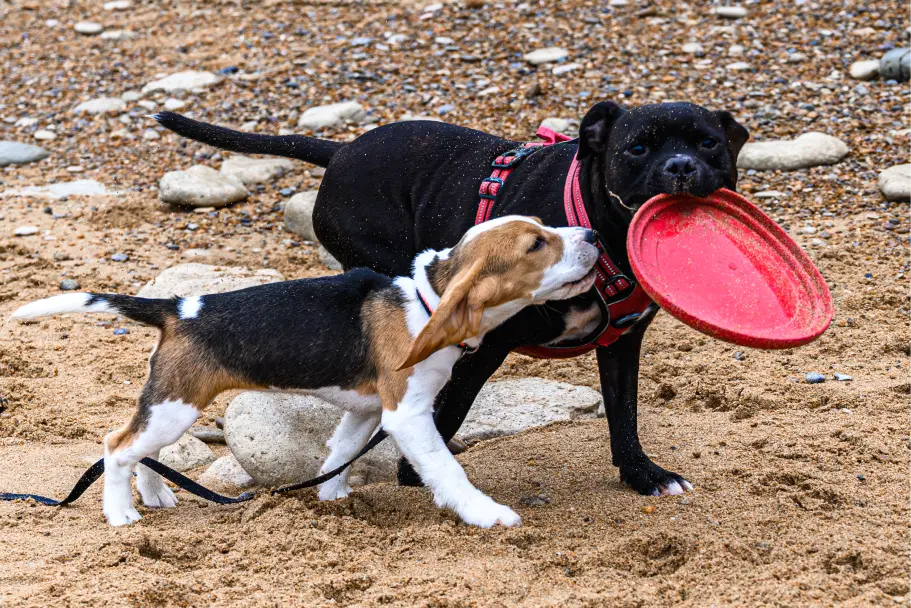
pixel 361 340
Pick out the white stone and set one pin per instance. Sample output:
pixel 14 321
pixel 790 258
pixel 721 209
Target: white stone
pixel 118 5
pixel 693 48
pixel 17 153
pixel 547 55
pixel 736 50
pixel 566 68
pixel 173 104
pixel 808 150
pixel 332 115
pixel 150 135
pixel 101 105
pixel 44 135
pixel 407 117
pixel 131 96
pixel 182 81
pixel 328 259
pixel 280 438
pixel 256 170
pixel 738 66
pixel 200 186
pixel 187 453
pixel 118 35
pixel 770 194
pixel 79 187
pixel 895 182
pixel 200 279
pixel 88 28
pixel 299 215
pixel 148 104
pixel 26 121
pixel 864 70
pixel 731 12
pixel 226 475
pixel 25 230
pixel 566 126
pixel 796 58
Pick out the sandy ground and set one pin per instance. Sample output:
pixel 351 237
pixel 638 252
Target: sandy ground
pixel 802 493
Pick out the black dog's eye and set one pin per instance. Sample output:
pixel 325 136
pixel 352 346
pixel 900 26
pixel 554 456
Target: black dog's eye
pixel 637 150
pixel 539 242
pixel 709 142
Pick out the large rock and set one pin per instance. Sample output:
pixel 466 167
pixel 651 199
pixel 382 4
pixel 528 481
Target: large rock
pixel 182 81
pixel 256 170
pixel 199 279
pixel 896 65
pixel 809 150
pixel 332 115
pixel 895 183
pixel 299 215
pixel 16 153
pixel 328 259
pixel 226 475
pixel 280 438
pixel 507 407
pixel 200 186
pixel 101 105
pixel 188 453
pixel 548 55
pixel 80 187
pixel 566 126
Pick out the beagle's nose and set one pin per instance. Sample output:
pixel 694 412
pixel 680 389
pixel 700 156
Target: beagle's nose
pixel 590 236
pixel 680 166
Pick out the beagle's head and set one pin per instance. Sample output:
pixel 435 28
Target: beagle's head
pixel 498 268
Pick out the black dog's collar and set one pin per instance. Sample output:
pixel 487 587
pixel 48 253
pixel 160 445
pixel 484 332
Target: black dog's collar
pixel 465 348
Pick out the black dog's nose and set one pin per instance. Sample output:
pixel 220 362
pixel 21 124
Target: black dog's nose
pixel 680 166
pixel 590 236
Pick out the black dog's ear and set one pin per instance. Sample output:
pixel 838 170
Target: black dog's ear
pixel 596 126
pixel 736 133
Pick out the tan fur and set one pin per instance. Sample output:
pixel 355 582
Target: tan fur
pixel 385 322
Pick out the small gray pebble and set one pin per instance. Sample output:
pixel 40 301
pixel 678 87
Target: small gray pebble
pixel 69 284
pixel 120 257
pixel 121 331
pixel 814 378
pixel 843 377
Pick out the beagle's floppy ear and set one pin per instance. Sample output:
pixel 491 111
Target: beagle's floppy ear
pixel 457 319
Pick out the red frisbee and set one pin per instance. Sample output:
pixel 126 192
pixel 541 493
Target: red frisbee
pixel 722 266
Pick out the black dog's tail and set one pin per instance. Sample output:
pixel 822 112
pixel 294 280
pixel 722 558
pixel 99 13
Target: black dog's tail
pixel 309 149
pixel 145 310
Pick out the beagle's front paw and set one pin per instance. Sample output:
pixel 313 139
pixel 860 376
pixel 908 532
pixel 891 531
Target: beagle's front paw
pixel 334 490
pixel 485 513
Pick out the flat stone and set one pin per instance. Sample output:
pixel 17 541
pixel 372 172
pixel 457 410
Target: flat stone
pixel 566 68
pixel 227 476
pixel 808 150
pixel 546 55
pixel 843 377
pixel 299 215
pixel 172 104
pixel 770 194
pixel 895 183
pixel 731 12
pixel 566 126
pixel 407 117
pixel 80 187
pixel 693 48
pixel 200 186
pixel 200 279
pixel 44 135
pixel 118 35
pixel 896 65
pixel 207 434
pixel 864 70
pixel 738 66
pixel 332 115
pixel 88 28
pixel 281 438
pixel 101 105
pixel 17 153
pixel 25 231
pixel 118 5
pixel 187 453
pixel 328 259
pixel 69 285
pixel 256 170
pixel 814 378
pixel 183 81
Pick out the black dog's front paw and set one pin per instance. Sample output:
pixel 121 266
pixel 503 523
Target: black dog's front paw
pixel 649 479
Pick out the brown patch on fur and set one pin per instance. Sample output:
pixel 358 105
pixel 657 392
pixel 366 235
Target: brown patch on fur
pixel 387 330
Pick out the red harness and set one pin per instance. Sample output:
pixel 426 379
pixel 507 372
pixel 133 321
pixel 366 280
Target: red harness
pixel 622 299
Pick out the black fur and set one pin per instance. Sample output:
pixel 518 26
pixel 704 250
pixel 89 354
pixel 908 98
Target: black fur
pixel 150 311
pixel 408 186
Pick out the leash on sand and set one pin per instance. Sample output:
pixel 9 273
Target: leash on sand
pixel 95 471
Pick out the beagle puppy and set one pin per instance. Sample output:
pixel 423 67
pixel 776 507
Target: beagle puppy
pixel 361 340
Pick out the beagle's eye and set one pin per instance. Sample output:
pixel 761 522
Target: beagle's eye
pixel 637 150
pixel 709 143
pixel 539 242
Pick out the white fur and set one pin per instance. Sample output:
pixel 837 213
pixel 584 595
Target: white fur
pixel 189 307
pixel 350 436
pixel 574 265
pixel 64 303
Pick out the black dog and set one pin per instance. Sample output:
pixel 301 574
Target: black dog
pixel 409 186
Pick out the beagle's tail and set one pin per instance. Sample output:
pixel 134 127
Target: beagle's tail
pixel 145 310
pixel 308 149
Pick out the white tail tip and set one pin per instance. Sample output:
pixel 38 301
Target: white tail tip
pixel 64 303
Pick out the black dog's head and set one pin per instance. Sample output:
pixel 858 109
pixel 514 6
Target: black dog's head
pixel 660 148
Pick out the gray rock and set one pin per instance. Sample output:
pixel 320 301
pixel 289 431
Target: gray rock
pixel 546 55
pixel 507 407
pixel 199 279
pixel 69 285
pixel 808 150
pixel 173 104
pixel 88 28
pixel 299 215
pixel 896 65
pixel 332 115
pixel 731 12
pixel 864 70
pixel 738 66
pixel 207 434
pixel 226 475
pixel 25 230
pixel 16 153
pixel 80 187
pixel 895 183
pixel 200 186
pixel 814 378
pixel 187 453
pixel 843 377
pixel 566 68
pixel 281 438
pixel 770 194
pixel 328 259
pixel 256 170
pixel 183 81
pixel 101 105
pixel 692 48
pixel 566 126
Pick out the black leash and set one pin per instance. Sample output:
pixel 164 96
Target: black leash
pixel 184 482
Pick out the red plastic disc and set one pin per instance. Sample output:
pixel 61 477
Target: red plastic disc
pixel 722 266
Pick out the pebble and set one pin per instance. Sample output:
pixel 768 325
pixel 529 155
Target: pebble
pixel 60 190
pixel 120 257
pixel 567 126
pixel 118 5
pixel 770 194
pixel 200 279
pixel 738 66
pixel 101 105
pixel 25 230
pixel 445 109
pixel 332 115
pixel 808 150
pixel 26 121
pixel 118 35
pixel 693 48
pixel 566 68
pixel 864 70
pixel 150 134
pixel 895 183
pixel 843 377
pixel 69 285
pixel 182 81
pixel 731 12
pixel 299 215
pixel 200 186
pixel 328 260
pixel 121 331
pixel 187 453
pixel 44 135
pixel 17 153
pixel 796 58
pixel 256 170
pixel 173 104
pixel 207 434
pixel 226 475
pixel 88 28
pixel 546 55
pixel 814 378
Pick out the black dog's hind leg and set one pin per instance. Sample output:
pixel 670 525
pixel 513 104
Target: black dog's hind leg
pixel 618 366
